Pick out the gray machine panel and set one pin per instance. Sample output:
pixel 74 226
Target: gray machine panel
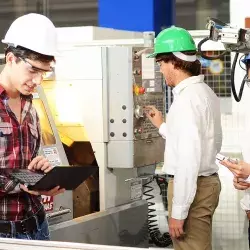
pixel 133 81
pixel 118 226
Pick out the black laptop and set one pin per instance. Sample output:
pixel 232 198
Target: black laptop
pixel 68 177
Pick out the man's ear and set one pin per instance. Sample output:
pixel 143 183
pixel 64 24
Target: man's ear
pixel 10 58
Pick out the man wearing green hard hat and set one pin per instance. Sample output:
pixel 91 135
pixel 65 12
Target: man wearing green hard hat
pixel 193 138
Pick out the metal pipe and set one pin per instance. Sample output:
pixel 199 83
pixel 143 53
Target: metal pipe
pixel 58 213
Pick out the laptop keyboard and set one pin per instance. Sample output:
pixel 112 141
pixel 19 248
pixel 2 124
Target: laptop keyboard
pixel 26 176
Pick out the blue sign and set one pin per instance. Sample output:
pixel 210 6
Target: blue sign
pixel 136 15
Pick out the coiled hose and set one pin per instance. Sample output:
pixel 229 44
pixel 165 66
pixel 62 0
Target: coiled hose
pixel 159 239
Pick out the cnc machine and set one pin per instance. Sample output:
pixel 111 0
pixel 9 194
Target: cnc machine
pixel 91 112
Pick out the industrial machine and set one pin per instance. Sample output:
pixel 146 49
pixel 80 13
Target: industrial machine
pixel 96 97
pixel 235 40
pixel 92 112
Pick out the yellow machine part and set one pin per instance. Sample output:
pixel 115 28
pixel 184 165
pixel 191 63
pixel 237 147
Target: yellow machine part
pixel 66 118
pixel 76 144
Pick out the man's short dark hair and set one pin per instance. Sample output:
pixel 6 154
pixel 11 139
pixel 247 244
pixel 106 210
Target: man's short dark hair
pixel 21 52
pixel 191 68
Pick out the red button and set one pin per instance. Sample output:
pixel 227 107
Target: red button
pixel 142 90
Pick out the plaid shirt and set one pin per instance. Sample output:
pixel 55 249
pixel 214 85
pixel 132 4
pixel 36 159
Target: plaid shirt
pixel 19 144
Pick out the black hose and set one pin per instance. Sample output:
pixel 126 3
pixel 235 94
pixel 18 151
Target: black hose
pixel 159 239
pixel 237 97
pixel 204 55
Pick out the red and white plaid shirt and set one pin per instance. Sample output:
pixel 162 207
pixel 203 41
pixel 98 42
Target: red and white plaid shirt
pixel 19 144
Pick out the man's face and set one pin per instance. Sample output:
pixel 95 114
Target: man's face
pixel 167 69
pixel 27 74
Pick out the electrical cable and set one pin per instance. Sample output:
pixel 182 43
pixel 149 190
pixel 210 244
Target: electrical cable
pixel 159 239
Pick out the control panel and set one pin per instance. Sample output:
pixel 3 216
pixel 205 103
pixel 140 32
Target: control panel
pixel 148 89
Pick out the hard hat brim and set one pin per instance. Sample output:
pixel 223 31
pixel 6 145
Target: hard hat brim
pixel 53 53
pixel 153 55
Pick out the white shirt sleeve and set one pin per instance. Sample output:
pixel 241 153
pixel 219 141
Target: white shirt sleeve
pixel 188 159
pixel 245 201
pixel 163 130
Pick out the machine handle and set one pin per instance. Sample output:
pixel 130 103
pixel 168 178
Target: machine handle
pixel 58 213
pixel 143 177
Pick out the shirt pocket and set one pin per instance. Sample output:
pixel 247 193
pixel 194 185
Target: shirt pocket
pixel 6 134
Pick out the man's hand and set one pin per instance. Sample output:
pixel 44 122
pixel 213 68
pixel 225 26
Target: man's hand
pixel 239 169
pixel 240 185
pixel 40 163
pixel 176 228
pixel 154 115
pixel 53 192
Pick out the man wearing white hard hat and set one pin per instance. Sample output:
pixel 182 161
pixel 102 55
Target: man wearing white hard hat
pixel 29 55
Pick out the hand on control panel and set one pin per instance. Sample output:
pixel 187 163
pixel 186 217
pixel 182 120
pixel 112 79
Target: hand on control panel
pixel 154 115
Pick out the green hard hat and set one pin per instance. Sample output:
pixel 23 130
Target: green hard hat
pixel 173 39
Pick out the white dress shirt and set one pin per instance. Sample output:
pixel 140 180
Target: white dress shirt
pixel 193 138
pixel 245 201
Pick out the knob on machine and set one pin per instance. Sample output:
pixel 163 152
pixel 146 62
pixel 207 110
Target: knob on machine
pixel 139 113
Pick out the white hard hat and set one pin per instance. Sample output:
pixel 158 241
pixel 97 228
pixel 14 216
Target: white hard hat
pixel 35 32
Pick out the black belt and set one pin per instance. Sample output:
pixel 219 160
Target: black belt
pixel 24 226
pixel 172 176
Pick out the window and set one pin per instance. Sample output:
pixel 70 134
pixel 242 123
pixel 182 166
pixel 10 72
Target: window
pixel 192 14
pixel 217 73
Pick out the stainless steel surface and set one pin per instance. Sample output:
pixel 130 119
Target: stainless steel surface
pixel 14 244
pixel 148 151
pixel 122 226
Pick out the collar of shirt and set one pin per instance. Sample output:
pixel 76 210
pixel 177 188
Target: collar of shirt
pixel 3 94
pixel 183 84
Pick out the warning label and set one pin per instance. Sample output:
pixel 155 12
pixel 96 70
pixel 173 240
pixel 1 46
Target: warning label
pixel 48 202
pixel 52 155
